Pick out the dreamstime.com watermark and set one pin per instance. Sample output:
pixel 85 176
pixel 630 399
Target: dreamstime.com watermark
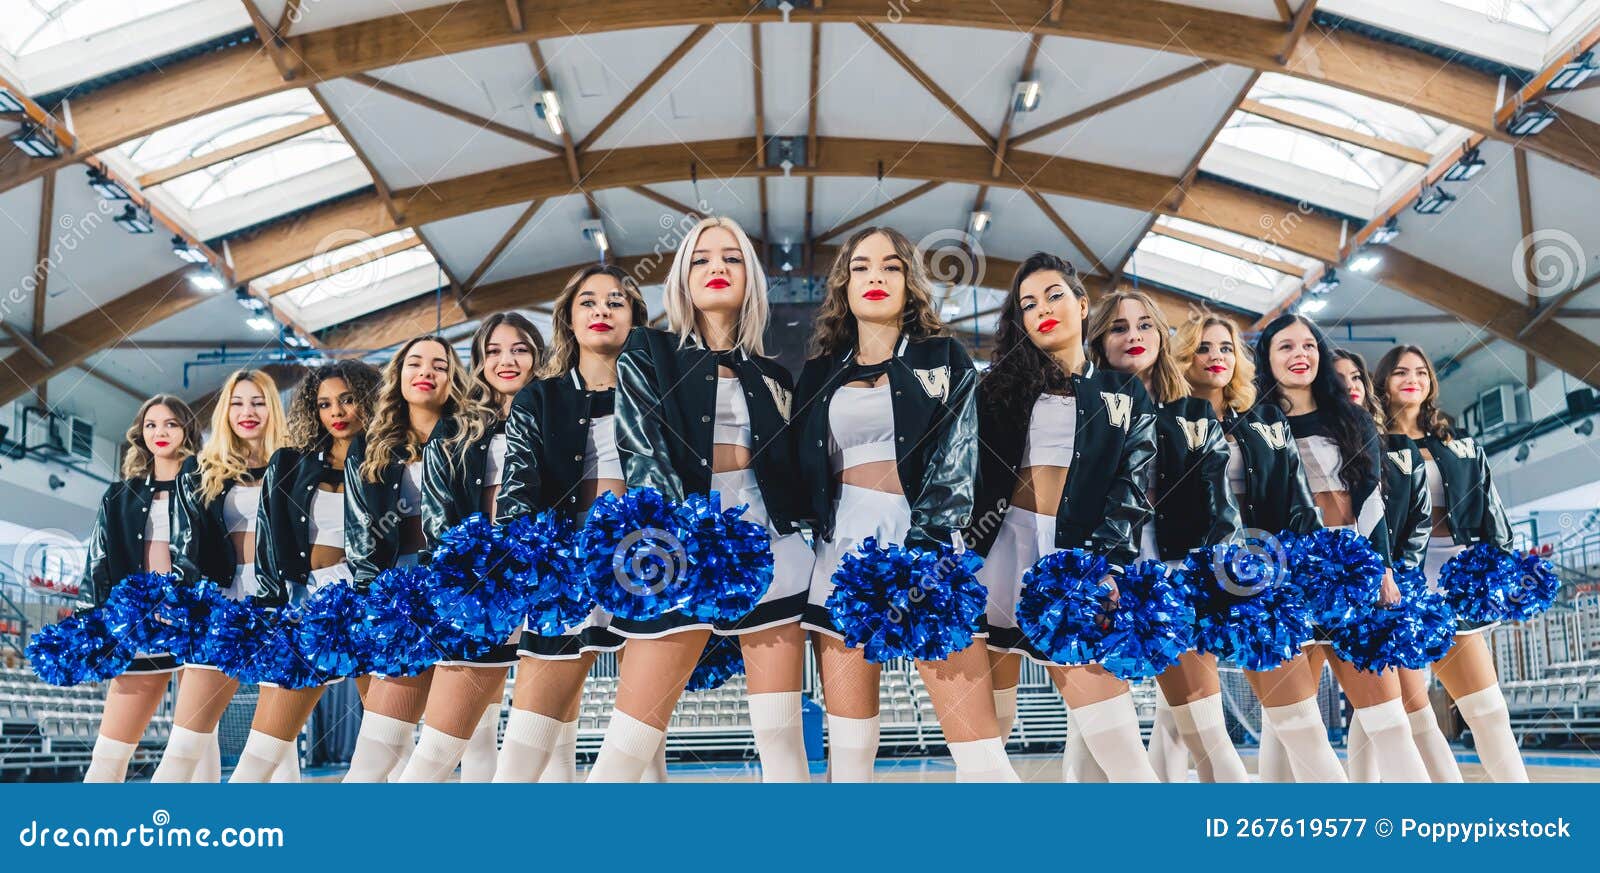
pixel 160 833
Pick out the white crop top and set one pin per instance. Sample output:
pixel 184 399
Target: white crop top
pixel 860 426
pixel 158 523
pixel 1320 458
pixel 411 490
pixel 1052 432
pixel 327 518
pixel 1435 483
pixel 600 460
pixel 239 508
pixel 494 466
pixel 1235 467
pixel 732 427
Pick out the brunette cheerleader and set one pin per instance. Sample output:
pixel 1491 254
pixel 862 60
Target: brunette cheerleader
pixel 1193 508
pixel 461 475
pixel 889 450
pixel 1064 447
pixel 1265 476
pixel 561 455
pixel 132 534
pixel 300 542
pixel 1342 457
pixel 700 409
pixel 214 538
pixel 421 387
pixel 1466 510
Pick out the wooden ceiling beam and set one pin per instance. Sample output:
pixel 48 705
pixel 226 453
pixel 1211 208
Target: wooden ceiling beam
pixel 1297 28
pixel 1232 251
pixel 1003 140
pixel 41 259
pixel 1066 229
pixel 1112 102
pixel 644 86
pixel 456 112
pixel 344 266
pixel 238 149
pixel 951 105
pixel 500 246
pixel 856 221
pixel 1409 154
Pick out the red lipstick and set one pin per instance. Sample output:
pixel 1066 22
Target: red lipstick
pixel 876 294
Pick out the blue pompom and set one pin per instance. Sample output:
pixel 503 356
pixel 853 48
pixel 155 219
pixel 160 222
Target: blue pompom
pixel 1537 588
pixel 1486 583
pixel 893 602
pixel 631 555
pixel 1338 573
pixel 1247 609
pixel 729 562
pixel 1063 607
pixel 331 634
pixel 400 630
pixel 477 588
pixel 130 609
pixel 543 550
pixel 280 660
pixel 1153 622
pixel 239 639
pixel 722 660
pixel 180 621
pixel 1414 633
pixel 79 648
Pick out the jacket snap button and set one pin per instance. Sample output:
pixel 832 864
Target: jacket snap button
pixel 583 421
pixel 302 518
pixel 302 554
pixel 704 419
pixel 577 457
pixel 702 462
pixel 711 378
pixel 477 481
pixel 902 439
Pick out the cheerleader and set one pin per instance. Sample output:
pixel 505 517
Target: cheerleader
pixel 132 534
pixel 1342 455
pixel 420 389
pixel 214 538
pixel 700 409
pixel 1466 510
pixel 561 455
pixel 461 475
pixel 889 450
pixel 1352 370
pixel 1065 446
pixel 300 542
pixel 1193 508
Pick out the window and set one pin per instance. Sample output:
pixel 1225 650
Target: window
pixel 35 25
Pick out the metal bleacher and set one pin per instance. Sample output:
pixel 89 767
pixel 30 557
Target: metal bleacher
pixel 47 732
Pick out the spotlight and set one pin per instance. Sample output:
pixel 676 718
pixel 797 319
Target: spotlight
pixel 1586 428
pixel 1468 166
pixel 1433 200
pixel 1025 97
pixel 107 187
pixel 1365 262
pixel 1385 234
pixel 9 104
pixel 594 231
pixel 206 280
pixel 261 324
pixel 1574 73
pixel 135 220
pixel 1325 285
pixel 186 252
pixel 979 221
pixel 56 482
pixel 249 301
pixel 1531 119
pixel 548 108
pixel 1312 306
pixel 1522 453
pixel 36 141
pixel 295 340
pixel 786 256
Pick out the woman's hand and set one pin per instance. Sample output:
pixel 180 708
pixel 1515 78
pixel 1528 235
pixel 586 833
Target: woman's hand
pixel 1390 593
pixel 1110 581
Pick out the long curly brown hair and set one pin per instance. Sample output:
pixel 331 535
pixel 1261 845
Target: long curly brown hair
pixel 563 355
pixel 137 460
pixel 305 425
pixel 1020 371
pixel 1432 419
pixel 481 408
pixel 835 328
pixel 389 436
pixel 1167 382
pixel 1373 404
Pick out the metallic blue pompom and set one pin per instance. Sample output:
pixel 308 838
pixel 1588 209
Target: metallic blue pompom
pixel 722 660
pixel 239 639
pixel 1338 573
pixel 543 552
pixel 130 609
pixel 79 648
pixel 1537 588
pixel 180 621
pixel 1486 583
pixel 1414 633
pixel 330 634
pixel 477 588
pixel 1063 607
pixel 401 630
pixel 1152 624
pixel 631 555
pixel 729 564
pixel 894 602
pixel 281 660
pixel 1247 608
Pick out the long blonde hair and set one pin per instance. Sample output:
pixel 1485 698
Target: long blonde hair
pixel 224 457
pixel 680 303
pixel 835 328
pixel 137 459
pixel 1240 392
pixel 563 355
pixel 481 408
pixel 1167 382
pixel 390 431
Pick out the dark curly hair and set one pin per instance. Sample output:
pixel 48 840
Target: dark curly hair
pixel 1352 426
pixel 1432 419
pixel 1020 371
pixel 835 325
pixel 305 427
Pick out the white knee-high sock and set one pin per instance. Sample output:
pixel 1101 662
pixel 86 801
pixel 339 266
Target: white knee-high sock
pixel 1389 734
pixel 1077 762
pixel 1298 726
pixel 1204 729
pixel 182 756
pixel 852 748
pixel 982 761
pixel 562 765
pixel 1434 748
pixel 1111 730
pixel 780 736
pixel 656 770
pixel 529 741
pixel 1168 757
pixel 1486 714
pixel 1272 760
pixel 1005 710
pixel 1359 759
pixel 262 756
pixel 478 761
pixel 209 770
pixel 381 744
pixel 435 758
pixel 407 747
pixel 289 765
pixel 109 760
pixel 627 749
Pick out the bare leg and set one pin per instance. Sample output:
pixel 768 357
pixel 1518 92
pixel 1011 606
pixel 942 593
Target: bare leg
pixel 131 701
pixel 1288 695
pixel 544 709
pixel 1467 672
pixel 456 703
pixel 1194 691
pixel 652 679
pixel 774 662
pixel 850 686
pixel 280 714
pixel 202 699
pixel 394 705
pixel 1102 711
pixel 1376 698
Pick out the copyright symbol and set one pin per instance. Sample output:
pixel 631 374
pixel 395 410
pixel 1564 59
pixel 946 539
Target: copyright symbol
pixel 161 817
pixel 1384 827
pixel 647 561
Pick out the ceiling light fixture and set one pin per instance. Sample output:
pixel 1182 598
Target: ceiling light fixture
pixel 1468 166
pixel 1433 200
pixel 1574 73
pixel 36 141
pixel 548 108
pixel 187 252
pixel 1531 120
pixel 1025 96
pixel 1365 262
pixel 979 221
pixel 206 280
pixel 107 187
pixel 135 220
pixel 1388 233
